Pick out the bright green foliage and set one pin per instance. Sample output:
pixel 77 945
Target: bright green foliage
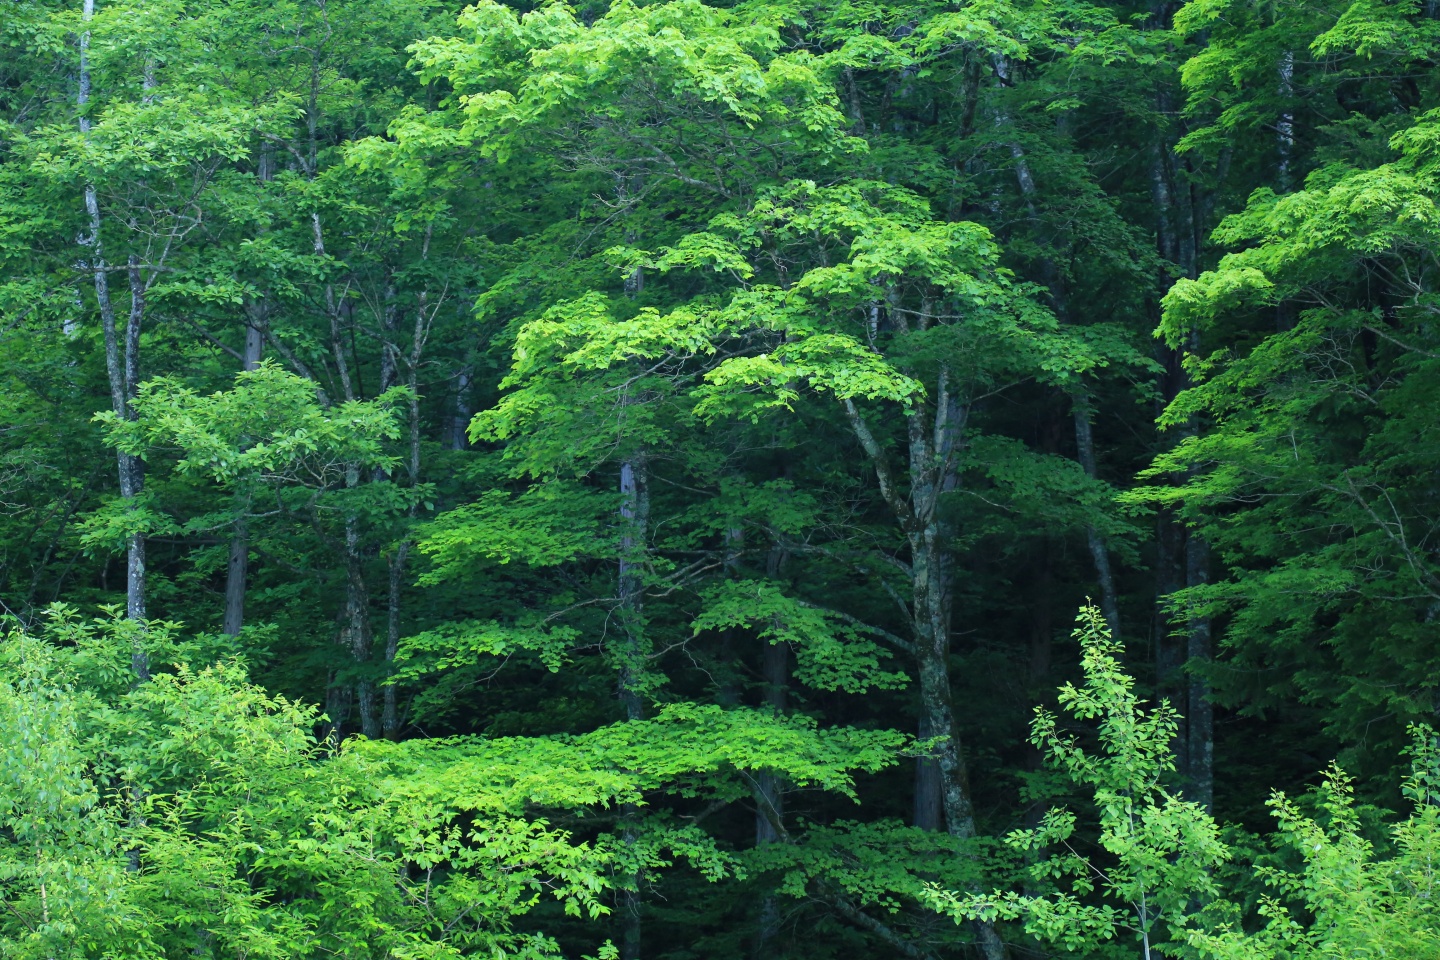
pixel 270 428
pixel 1330 891
pixel 1351 896
pixel 1308 483
pixel 831 652
pixel 617 438
pixel 1159 852
pixel 196 812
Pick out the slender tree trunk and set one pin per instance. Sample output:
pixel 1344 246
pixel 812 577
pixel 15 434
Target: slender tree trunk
pixel 123 374
pixel 933 444
pixel 339 700
pixel 132 468
pixel 775 676
pixel 238 569
pixel 237 572
pixel 1169 646
pixel 630 654
pixel 455 436
pixel 1099 552
pixel 770 793
pixel 390 713
pixel 1285 124
pixel 1200 715
pixel 934 434
pixel 355 629
pixel 1084 433
pixel 769 786
pixel 937 712
pixel 634 519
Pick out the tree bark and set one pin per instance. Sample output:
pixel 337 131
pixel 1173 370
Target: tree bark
pixel 390 712
pixel 927 813
pixel 934 436
pixel 634 519
pixel 630 653
pixel 1080 399
pixel 355 632
pixel 1099 552
pixel 1285 124
pixel 122 374
pixel 770 786
pixel 455 436
pixel 1200 715
pixel 238 569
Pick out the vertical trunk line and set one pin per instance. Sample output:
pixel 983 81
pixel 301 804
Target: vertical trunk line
pixel 770 787
pixel 1099 552
pixel 1084 433
pixel 237 571
pixel 933 471
pixel 1200 715
pixel 455 438
pixel 355 624
pixel 634 519
pixel 1285 124
pixel 390 712
pixel 123 378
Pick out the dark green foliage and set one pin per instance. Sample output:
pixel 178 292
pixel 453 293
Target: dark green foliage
pixel 613 480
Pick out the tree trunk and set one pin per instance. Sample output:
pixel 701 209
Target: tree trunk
pixel 770 786
pixel 455 436
pixel 123 376
pixel 1285 125
pixel 238 569
pixel 934 434
pixel 1200 715
pixel 338 703
pixel 933 444
pixel 355 632
pixel 236 572
pixel 630 654
pixel 1099 553
pixel 390 712
pixel 634 518
pixel 927 814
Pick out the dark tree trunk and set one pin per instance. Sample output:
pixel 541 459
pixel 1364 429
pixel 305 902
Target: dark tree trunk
pixel 630 654
pixel 355 632
pixel 455 435
pixel 927 814
pixel 770 786
pixel 1200 715
pixel 238 569
pixel 1094 540
pixel 237 573
pixel 390 713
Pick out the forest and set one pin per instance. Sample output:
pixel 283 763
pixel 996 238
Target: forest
pixel 707 479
